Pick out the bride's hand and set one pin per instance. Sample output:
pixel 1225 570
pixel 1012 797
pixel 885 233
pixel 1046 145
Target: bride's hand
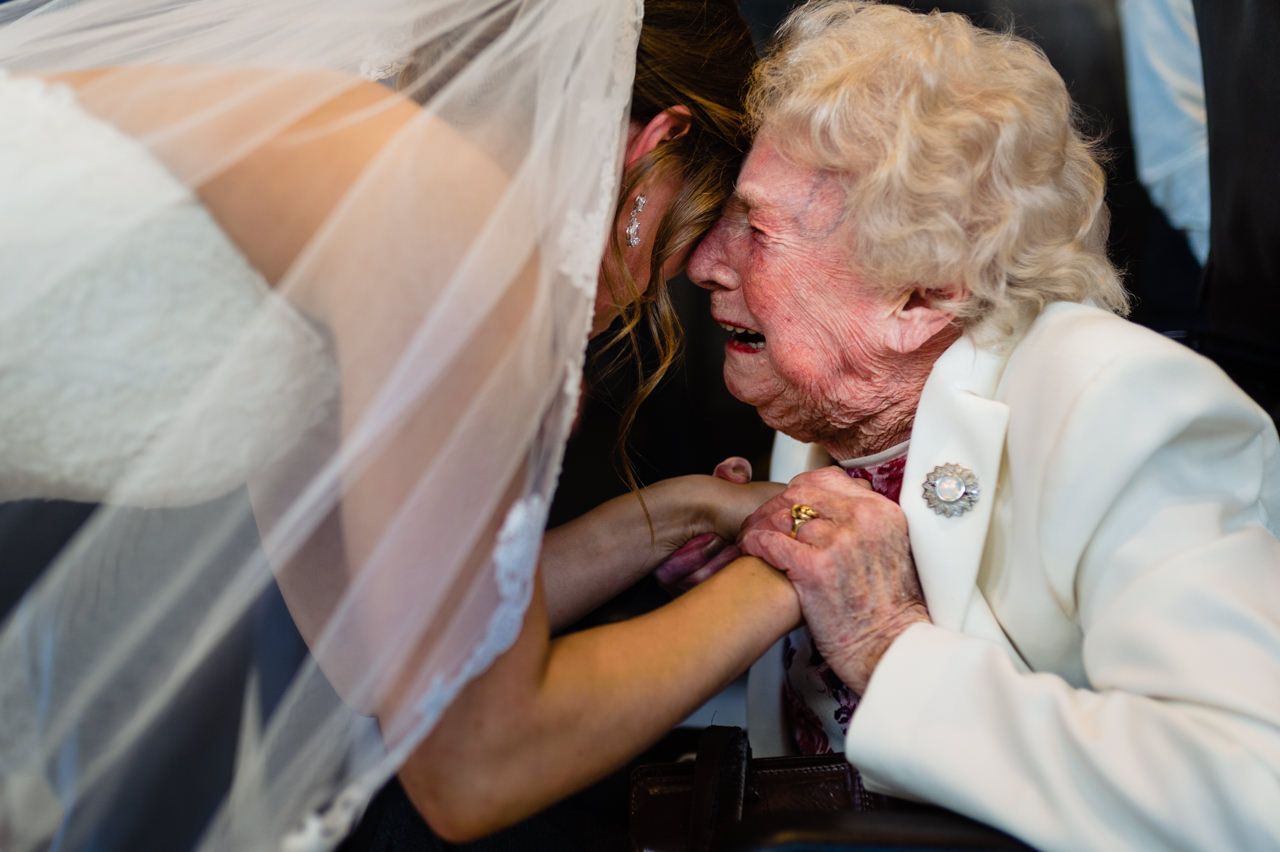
pixel 698 559
pixel 735 497
pixel 706 553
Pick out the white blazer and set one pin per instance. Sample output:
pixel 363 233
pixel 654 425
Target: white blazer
pixel 1103 671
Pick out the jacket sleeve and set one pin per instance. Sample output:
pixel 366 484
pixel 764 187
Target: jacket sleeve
pixel 1153 513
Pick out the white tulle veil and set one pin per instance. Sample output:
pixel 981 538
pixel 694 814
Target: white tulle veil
pixel 469 248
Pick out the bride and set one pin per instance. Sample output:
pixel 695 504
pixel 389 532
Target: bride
pixel 296 331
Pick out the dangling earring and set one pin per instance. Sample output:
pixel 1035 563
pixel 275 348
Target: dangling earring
pixel 633 224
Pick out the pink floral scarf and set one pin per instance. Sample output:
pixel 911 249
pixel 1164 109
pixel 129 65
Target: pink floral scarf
pixel 818 705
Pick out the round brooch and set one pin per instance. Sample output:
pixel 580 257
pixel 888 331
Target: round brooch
pixel 951 490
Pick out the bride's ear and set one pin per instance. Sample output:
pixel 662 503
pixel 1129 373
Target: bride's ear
pixel 671 123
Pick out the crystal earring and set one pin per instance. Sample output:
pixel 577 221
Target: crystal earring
pixel 633 224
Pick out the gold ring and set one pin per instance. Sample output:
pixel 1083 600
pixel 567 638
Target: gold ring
pixel 799 514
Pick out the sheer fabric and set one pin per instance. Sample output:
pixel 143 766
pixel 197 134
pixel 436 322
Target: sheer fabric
pixel 384 461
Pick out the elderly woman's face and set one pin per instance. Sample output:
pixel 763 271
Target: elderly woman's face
pixel 811 346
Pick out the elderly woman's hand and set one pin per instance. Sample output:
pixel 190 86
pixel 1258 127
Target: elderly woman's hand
pixel 851 567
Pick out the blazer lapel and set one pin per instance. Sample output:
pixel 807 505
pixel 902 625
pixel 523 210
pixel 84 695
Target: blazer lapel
pixel 957 423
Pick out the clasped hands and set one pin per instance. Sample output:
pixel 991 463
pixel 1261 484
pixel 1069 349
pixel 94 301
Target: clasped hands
pixel 851 566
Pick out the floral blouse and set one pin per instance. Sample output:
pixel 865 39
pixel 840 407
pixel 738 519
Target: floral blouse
pixel 817 704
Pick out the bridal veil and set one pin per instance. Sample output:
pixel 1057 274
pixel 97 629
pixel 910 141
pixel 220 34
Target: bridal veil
pixel 392 481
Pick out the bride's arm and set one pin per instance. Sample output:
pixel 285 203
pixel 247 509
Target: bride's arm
pixel 591 558
pixel 552 716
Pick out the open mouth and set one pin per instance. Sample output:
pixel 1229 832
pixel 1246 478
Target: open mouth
pixel 742 337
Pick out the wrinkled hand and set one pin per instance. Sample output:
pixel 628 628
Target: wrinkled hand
pixel 851 567
pixel 704 555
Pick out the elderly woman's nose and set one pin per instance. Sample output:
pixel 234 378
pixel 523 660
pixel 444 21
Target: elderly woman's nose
pixel 709 265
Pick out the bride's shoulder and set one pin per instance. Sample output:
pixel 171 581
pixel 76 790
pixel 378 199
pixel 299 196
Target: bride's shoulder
pixel 272 153
pixel 358 154
pixel 159 91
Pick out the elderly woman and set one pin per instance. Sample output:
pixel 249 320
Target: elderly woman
pixel 1053 579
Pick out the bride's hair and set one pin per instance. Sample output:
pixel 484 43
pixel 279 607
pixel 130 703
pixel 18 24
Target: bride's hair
pixel 698 54
pixel 693 53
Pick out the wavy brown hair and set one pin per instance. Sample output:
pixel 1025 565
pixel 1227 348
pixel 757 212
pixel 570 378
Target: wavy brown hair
pixel 697 54
pixel 692 53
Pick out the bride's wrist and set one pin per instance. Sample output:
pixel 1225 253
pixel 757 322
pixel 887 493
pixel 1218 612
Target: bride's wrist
pixel 684 506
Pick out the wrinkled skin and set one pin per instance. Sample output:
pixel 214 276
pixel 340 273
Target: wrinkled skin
pixel 823 356
pixel 826 358
pixel 851 567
